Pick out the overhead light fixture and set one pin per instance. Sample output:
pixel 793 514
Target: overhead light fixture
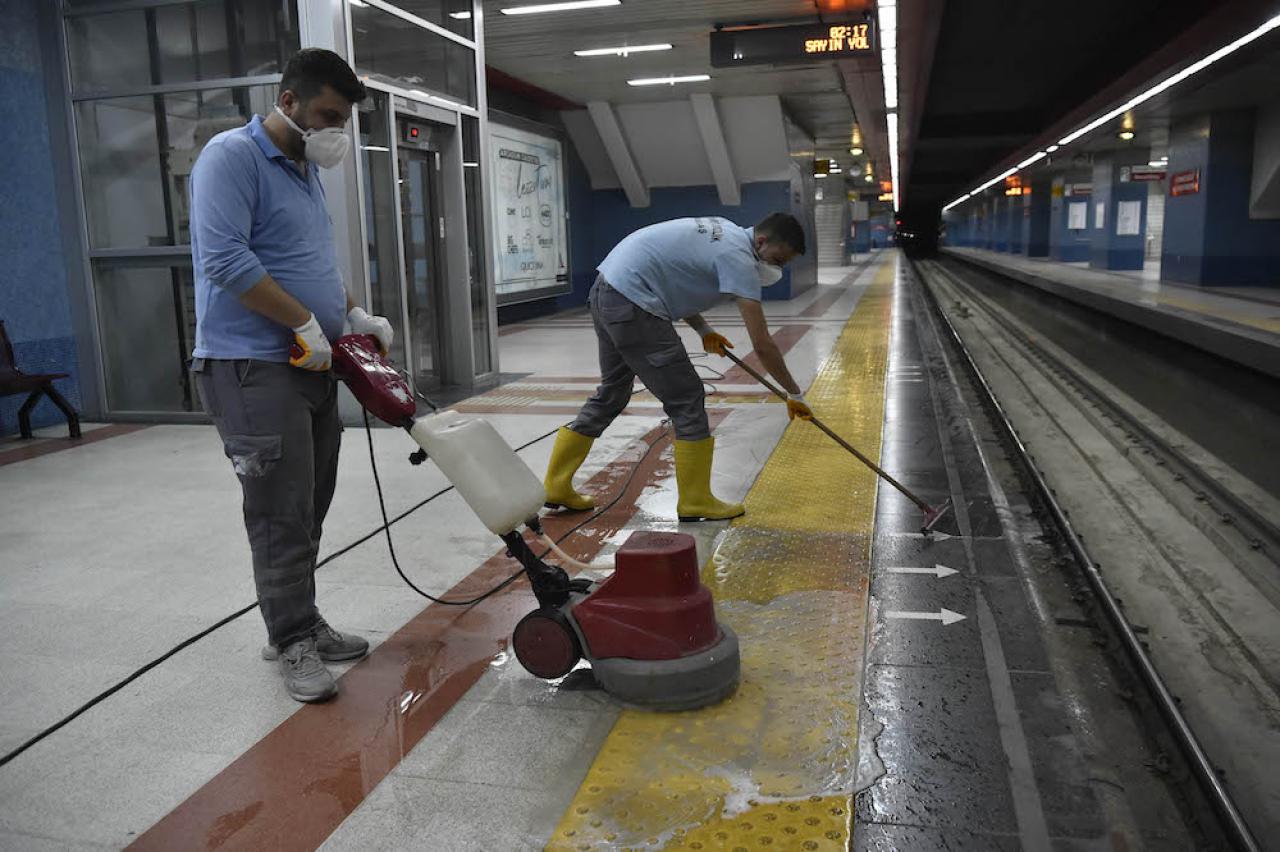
pixel 360 3
pixel 1141 98
pixel 471 165
pixel 457 16
pixel 568 6
pixel 668 81
pixel 857 152
pixel 869 178
pixel 1158 164
pixel 887 10
pixel 375 148
pixel 834 170
pixel 621 51
pixel 1126 135
pixel 820 176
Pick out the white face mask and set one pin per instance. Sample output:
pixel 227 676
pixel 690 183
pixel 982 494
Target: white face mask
pixel 325 147
pixel 768 273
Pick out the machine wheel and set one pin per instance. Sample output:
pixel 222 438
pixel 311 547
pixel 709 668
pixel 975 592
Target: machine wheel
pixel 545 644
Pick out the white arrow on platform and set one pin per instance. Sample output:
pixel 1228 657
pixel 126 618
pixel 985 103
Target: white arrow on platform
pixel 936 570
pixel 946 616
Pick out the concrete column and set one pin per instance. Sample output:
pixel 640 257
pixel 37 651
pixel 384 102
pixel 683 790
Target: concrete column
pixel 1068 244
pixel 1000 237
pixel 1108 248
pixel 1210 238
pixel 1017 223
pixel 1037 241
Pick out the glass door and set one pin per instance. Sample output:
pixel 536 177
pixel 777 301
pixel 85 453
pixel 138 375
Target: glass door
pixel 422 223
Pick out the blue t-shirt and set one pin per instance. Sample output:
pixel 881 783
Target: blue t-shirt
pixel 254 213
pixel 682 267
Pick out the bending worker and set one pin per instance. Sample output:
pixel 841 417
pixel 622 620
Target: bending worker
pixel 267 279
pixel 657 275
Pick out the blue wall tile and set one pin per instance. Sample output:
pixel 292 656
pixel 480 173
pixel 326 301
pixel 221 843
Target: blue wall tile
pixel 34 301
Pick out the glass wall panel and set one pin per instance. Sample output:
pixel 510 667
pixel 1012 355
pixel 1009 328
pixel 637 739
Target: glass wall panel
pixel 136 155
pixel 181 43
pixel 409 56
pixel 476 245
pixel 380 219
pixel 454 15
pixel 108 51
pixel 147 319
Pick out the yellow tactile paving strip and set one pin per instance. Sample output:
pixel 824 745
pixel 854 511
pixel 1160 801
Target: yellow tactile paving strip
pixel 1265 323
pixel 772 767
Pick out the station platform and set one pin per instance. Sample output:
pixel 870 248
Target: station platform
pixel 1241 324
pixel 898 692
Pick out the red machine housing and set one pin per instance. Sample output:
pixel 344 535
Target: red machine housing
pixel 653 606
pixel 374 382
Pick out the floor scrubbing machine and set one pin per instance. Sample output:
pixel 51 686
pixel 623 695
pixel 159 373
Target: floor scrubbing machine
pixel 649 630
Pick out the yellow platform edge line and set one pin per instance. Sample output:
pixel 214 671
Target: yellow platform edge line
pixel 773 766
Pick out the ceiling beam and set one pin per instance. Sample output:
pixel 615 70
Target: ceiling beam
pixel 615 145
pixel 712 133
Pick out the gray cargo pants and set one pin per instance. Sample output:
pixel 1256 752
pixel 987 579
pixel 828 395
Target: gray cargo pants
pixel 634 342
pixel 280 428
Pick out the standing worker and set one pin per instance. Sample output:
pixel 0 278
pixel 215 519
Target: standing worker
pixel 267 280
pixel 657 275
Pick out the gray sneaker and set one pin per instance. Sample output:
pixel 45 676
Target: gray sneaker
pixel 305 677
pixel 334 647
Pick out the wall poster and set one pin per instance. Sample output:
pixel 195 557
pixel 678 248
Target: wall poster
pixel 1077 215
pixel 531 242
pixel 1128 218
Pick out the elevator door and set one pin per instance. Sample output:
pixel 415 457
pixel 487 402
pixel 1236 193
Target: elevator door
pixel 422 224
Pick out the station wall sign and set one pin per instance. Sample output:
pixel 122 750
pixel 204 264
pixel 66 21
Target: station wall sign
pixel 1185 183
pixel 530 245
pixel 1141 174
pixel 792 44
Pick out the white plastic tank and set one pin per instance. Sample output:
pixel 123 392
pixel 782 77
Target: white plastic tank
pixel 497 485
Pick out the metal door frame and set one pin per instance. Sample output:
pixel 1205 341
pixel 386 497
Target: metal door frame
pixel 439 280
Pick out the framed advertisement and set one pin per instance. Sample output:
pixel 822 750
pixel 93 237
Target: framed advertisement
pixel 530 215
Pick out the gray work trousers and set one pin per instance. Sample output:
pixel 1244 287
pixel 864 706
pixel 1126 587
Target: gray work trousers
pixel 279 427
pixel 634 342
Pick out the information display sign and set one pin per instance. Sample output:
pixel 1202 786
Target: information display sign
pixel 791 44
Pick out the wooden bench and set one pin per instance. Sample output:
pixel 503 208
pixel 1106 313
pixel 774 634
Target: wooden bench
pixel 14 381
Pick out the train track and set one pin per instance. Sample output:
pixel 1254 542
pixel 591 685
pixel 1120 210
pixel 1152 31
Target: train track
pixel 1244 533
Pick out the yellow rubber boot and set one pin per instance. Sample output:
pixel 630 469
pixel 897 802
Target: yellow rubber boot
pixel 693 480
pixel 566 457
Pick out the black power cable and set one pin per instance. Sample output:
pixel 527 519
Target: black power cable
pixel 391 548
pixel 191 640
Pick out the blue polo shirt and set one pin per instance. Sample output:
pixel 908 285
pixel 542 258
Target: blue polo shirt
pixel 254 213
pixel 682 267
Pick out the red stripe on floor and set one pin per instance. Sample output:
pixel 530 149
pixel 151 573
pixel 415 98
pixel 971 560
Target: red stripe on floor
pixel 47 446
pixel 823 303
pixel 297 784
pixel 786 337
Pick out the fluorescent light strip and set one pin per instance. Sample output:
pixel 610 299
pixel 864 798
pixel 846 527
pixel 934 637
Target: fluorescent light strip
pixel 457 16
pixel 1164 85
pixel 621 51
pixel 559 7
pixel 887 11
pixel 892 119
pixel 668 81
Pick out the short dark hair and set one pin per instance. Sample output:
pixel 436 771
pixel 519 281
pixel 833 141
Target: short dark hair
pixel 311 69
pixel 782 228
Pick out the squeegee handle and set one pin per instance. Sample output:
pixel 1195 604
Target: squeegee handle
pixel 833 436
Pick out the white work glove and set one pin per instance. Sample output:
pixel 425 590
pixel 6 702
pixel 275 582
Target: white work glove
pixel 310 350
pixel 363 323
pixel 797 407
